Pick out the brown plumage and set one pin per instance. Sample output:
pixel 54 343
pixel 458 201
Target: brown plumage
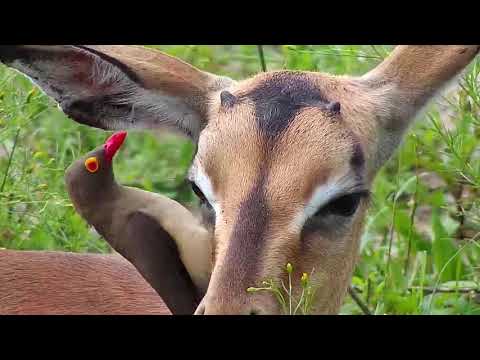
pixel 130 220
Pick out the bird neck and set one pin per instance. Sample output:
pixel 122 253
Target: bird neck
pixel 98 210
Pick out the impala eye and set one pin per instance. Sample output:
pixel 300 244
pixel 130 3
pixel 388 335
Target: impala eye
pixel 345 205
pixel 207 212
pixel 198 192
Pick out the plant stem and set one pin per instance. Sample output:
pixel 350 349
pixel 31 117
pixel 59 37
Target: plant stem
pixel 290 293
pixel 435 288
pixel 392 226
pixel 10 160
pixel 369 288
pixel 299 302
pixel 432 290
pixel 412 214
pixel 381 56
pixel 262 58
pixel 358 301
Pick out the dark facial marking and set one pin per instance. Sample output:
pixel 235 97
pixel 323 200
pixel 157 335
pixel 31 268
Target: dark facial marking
pixel 357 161
pixel 247 237
pixel 279 99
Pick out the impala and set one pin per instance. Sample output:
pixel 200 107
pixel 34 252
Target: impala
pixel 283 166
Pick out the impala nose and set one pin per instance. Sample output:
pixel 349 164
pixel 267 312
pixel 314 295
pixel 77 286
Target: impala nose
pixel 233 310
pixel 229 308
pixel 209 308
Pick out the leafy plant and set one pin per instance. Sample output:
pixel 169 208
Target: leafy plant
pixel 284 294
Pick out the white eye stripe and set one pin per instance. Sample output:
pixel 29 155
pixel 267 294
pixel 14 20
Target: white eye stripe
pixel 321 196
pixel 203 182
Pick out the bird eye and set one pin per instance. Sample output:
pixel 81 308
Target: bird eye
pixel 345 205
pixel 91 164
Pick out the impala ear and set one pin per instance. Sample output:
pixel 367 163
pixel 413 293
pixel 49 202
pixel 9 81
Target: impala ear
pixel 411 75
pixel 400 87
pixel 119 87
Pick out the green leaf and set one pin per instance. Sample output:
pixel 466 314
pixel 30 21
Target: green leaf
pixel 443 250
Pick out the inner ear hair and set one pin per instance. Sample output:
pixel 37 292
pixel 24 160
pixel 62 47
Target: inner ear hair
pixel 118 86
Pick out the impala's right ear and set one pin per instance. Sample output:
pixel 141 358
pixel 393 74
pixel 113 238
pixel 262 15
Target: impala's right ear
pixel 405 82
pixel 119 87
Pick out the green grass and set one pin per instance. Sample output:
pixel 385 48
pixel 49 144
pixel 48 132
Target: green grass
pixel 420 251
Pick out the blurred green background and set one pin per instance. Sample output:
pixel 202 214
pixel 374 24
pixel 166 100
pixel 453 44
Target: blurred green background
pixel 420 251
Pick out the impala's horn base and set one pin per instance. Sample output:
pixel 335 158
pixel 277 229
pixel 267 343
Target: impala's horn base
pixel 334 107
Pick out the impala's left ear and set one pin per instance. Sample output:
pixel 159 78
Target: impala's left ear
pixel 119 87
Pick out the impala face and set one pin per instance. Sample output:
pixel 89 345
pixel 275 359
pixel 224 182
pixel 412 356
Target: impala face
pixel 259 131
pixel 284 160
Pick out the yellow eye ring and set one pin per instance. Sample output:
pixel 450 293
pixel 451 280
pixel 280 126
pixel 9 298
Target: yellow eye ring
pixel 91 164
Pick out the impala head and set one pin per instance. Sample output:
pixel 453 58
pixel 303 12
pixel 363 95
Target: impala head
pixel 284 161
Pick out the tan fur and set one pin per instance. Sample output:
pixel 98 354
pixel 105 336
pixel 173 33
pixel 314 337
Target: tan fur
pixel 312 150
pixel 376 110
pixel 57 283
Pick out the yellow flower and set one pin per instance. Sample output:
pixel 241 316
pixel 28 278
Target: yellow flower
pixel 304 279
pixel 289 268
